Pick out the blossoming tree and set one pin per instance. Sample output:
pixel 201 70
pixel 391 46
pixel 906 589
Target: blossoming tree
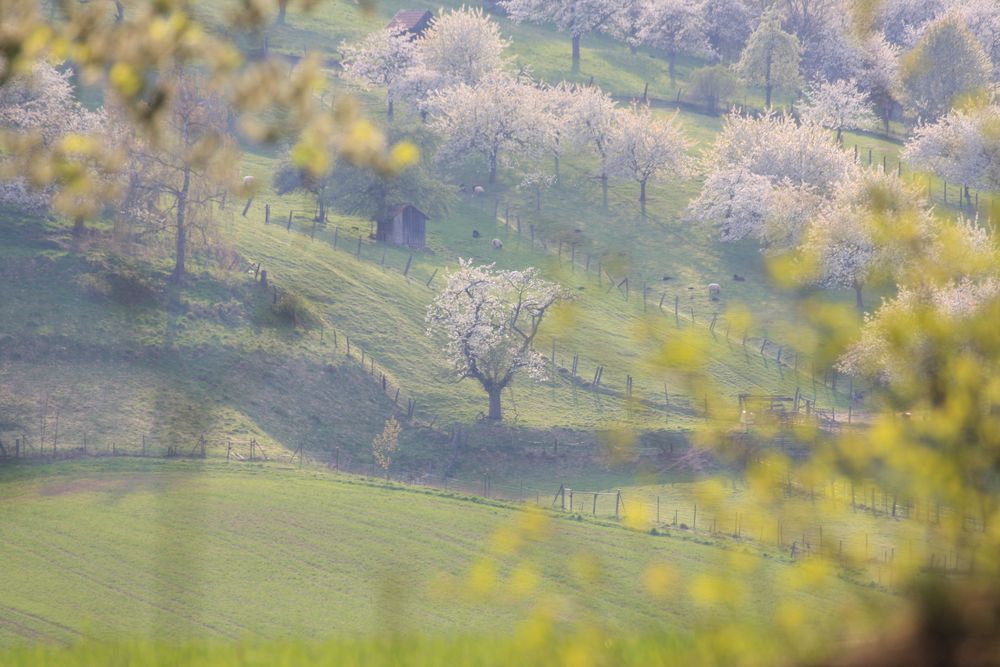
pixel 489 320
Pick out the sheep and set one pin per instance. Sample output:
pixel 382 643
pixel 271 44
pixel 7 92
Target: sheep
pixel 497 244
pixel 714 290
pixel 247 181
pixel 478 190
pixel 738 278
pixel 475 233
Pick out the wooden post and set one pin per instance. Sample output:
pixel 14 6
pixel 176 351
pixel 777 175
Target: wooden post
pixel 336 233
pixel 694 522
pixel 618 503
pixel 677 311
pixel 429 280
pixel 409 260
pixel 358 252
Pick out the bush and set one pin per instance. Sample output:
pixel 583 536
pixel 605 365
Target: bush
pixel 294 309
pixel 712 85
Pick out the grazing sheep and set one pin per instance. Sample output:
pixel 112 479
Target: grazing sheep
pixel 478 190
pixel 463 188
pixel 738 278
pixel 475 233
pixel 247 181
pixel 497 244
pixel 714 290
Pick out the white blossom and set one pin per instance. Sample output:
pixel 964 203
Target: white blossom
pixel 644 147
pixel 499 118
pixel 382 59
pixel 489 320
pixel 676 28
pixel 577 17
pixel 837 106
pixel 962 147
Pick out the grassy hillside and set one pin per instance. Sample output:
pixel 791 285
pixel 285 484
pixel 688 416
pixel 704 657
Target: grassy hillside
pixel 188 550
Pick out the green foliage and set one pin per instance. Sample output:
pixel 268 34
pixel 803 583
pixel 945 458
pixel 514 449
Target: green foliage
pixel 771 57
pixel 713 84
pixel 295 310
pixel 946 64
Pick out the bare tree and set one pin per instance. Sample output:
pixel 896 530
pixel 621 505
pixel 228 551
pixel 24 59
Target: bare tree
pixel 178 179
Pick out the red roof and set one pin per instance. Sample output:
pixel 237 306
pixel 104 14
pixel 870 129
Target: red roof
pixel 411 20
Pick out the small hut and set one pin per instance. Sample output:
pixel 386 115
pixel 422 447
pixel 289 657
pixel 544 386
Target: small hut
pixel 411 21
pixel 405 225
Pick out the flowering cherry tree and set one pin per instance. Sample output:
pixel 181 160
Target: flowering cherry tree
pixel 40 113
pixel 489 320
pixel 864 231
pixel 381 59
pixel 644 147
pixel 962 147
pixel 577 17
pixel 592 120
pixel 462 45
pixel 499 118
pixel 878 69
pixel 676 28
pixel 837 105
pixel 752 157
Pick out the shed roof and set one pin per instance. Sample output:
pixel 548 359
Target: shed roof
pixel 399 208
pixel 410 20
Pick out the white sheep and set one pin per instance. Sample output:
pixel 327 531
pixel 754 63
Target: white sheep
pixel 714 290
pixel 478 190
pixel 497 244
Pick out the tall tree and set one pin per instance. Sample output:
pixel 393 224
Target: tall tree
pixel 865 232
pixel 382 59
pixel 644 148
pixel 771 57
pixel 676 28
pixel 593 117
pixel 878 69
pixel 39 112
pixel 183 176
pixel 577 17
pixel 464 45
pixel 499 118
pixel 727 26
pixel 946 64
pixel 489 320
pixel 962 147
pixel 837 106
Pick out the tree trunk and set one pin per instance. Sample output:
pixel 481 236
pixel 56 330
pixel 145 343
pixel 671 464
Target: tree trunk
pixel 840 137
pixel 181 254
pixel 642 196
pixel 496 412
pixel 321 213
pixel 78 227
pixel 576 53
pixel 390 111
pixel 767 82
pixel 282 7
pixel 493 168
pixel 119 12
pixel 858 300
pixel 604 189
pixel 557 167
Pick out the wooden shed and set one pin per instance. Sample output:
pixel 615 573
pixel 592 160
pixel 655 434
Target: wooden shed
pixel 404 225
pixel 411 21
